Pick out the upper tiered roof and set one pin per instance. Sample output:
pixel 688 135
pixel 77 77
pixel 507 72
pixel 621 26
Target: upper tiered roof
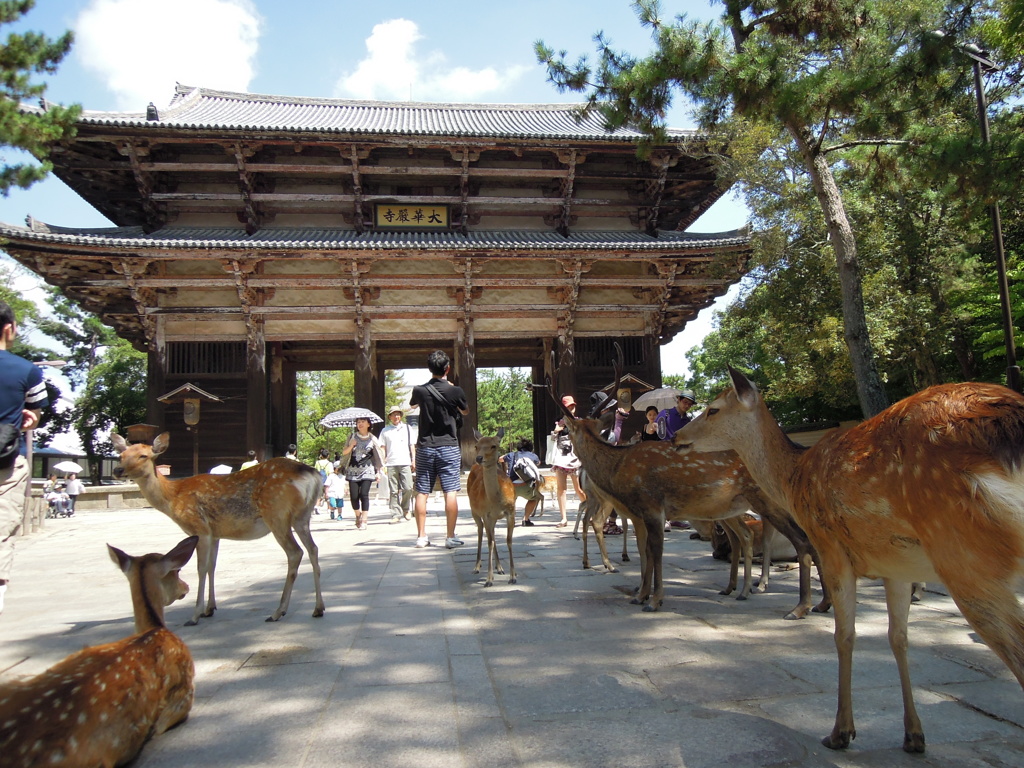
pixel 209 109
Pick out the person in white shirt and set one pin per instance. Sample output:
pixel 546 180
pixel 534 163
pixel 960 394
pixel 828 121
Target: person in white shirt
pixel 334 489
pixel 74 489
pixel 397 439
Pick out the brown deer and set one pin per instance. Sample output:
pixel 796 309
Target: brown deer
pixel 276 496
pixel 99 706
pixel 492 496
pixel 650 483
pixel 929 489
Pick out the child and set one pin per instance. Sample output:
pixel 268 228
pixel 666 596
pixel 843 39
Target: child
pixel 334 488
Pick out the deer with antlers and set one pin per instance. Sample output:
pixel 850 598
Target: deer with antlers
pixel 492 497
pixel 100 705
pixel 276 496
pixel 932 488
pixel 651 482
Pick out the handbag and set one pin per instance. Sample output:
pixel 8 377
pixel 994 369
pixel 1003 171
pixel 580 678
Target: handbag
pixel 10 445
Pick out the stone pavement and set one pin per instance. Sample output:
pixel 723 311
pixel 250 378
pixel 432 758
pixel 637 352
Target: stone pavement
pixel 417 665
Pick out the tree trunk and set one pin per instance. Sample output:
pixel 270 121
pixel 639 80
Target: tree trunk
pixel 870 391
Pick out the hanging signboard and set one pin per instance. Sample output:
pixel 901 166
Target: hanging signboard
pixel 392 216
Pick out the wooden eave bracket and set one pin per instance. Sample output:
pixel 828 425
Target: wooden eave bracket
pixel 134 152
pixel 246 184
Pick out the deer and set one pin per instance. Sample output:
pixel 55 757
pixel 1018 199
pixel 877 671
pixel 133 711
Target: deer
pixel 101 705
pixel 650 482
pixel 276 496
pixel 492 496
pixel 931 488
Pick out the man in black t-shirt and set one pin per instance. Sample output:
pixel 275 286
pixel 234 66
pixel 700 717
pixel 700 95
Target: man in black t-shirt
pixel 438 456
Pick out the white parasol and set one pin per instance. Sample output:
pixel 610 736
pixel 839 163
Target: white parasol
pixel 67 466
pixel 346 417
pixel 661 398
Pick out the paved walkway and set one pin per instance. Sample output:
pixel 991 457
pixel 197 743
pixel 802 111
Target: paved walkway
pixel 416 664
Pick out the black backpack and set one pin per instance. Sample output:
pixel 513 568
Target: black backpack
pixel 10 445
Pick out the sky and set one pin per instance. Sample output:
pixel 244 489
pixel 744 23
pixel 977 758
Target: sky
pixel 128 53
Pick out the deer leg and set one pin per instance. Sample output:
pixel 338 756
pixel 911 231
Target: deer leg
pixel 493 537
pixel 655 553
pixel 491 554
pixel 842 585
pixel 211 602
pixel 897 601
pixel 479 543
pixel 294 553
pixel 741 539
pixel 597 521
pixel 995 614
pixel 510 523
pixel 625 537
pixel 767 538
pixel 302 529
pixel 203 552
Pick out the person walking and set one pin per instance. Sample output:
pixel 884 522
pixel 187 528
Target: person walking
pixel 399 464
pixel 22 399
pixel 334 489
pixel 566 462
pixel 74 489
pixel 362 470
pixel 508 461
pixel 438 457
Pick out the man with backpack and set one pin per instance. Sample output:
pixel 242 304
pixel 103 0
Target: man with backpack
pixel 521 465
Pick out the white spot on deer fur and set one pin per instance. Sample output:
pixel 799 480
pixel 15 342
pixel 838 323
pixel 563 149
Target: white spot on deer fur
pixel 104 717
pixel 82 718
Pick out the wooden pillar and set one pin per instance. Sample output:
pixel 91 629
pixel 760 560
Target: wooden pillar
pixel 281 401
pixel 463 374
pixel 565 383
pixel 365 367
pixel 257 400
pixel 156 375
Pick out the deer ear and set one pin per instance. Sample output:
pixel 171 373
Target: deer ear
pixel 182 552
pixel 501 432
pixel 476 434
pixel 744 387
pixel 119 443
pixel 121 559
pixel 161 443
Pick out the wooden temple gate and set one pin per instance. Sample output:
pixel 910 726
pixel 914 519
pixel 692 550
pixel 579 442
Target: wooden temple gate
pixel 261 236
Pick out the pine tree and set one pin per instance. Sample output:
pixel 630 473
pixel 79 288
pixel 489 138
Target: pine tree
pixel 30 128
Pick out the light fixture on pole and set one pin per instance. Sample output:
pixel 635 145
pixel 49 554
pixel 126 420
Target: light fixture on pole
pixel 983 65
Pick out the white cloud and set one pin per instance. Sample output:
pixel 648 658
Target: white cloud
pixel 141 48
pixel 394 69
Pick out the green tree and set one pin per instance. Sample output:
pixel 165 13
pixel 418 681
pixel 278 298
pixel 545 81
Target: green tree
pixel 82 333
pixel 23 55
pixel 114 398
pixel 818 78
pixel 504 401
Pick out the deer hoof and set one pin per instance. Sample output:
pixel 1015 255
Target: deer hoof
pixel 625 558
pixel 612 569
pixel 318 612
pixel 913 743
pixel 488 583
pixel 512 580
pixel 650 608
pixel 839 739
pixel 275 617
pixel 636 601
pixel 191 622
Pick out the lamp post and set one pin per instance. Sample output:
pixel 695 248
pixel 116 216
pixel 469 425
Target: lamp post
pixel 983 65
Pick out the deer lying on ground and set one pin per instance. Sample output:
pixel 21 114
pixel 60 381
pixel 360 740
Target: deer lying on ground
pixel 931 488
pixel 492 496
pixel 276 496
pixel 101 705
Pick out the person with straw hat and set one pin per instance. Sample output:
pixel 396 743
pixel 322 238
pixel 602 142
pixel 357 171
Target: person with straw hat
pixel 399 464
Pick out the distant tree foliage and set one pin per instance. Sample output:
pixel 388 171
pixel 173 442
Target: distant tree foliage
pixel 113 399
pixel 824 85
pixel 504 401
pixel 23 55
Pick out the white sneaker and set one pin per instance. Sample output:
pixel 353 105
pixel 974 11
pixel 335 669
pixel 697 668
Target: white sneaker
pixel 422 542
pixel 451 542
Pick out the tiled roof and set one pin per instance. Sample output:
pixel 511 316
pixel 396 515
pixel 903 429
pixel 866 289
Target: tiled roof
pixel 343 239
pixel 203 108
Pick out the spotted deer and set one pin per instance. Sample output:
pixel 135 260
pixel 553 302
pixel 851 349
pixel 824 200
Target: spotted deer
pixel 932 488
pixel 275 496
pixel 650 482
pixel 99 706
pixel 492 497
